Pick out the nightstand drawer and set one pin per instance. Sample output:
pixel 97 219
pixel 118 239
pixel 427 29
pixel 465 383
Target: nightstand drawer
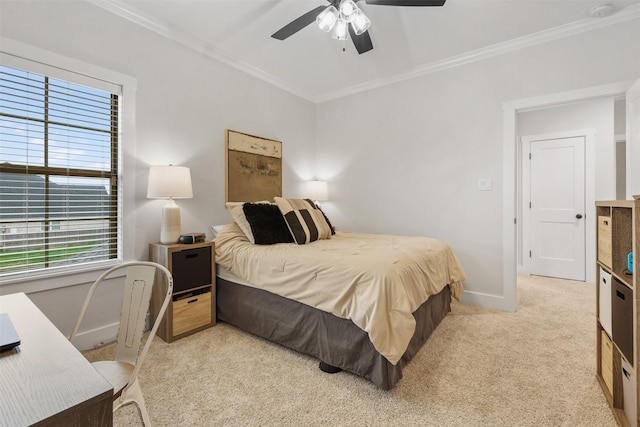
pixel 191 268
pixel 191 312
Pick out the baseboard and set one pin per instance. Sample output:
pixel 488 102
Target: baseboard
pixel 495 302
pixel 96 337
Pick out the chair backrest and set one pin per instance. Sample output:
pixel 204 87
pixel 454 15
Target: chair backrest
pixel 139 285
pixel 135 305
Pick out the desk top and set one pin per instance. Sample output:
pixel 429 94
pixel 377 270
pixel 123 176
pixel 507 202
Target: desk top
pixel 46 375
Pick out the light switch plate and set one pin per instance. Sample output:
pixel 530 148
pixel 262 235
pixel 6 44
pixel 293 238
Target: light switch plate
pixel 484 184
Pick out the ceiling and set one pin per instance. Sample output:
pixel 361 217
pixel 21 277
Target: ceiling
pixel 408 41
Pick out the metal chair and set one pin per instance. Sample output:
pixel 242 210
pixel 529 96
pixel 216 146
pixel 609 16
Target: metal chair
pixel 122 371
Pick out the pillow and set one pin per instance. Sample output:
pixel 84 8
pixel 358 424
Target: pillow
pixel 305 221
pixel 326 218
pixel 215 229
pixel 237 213
pixel 267 223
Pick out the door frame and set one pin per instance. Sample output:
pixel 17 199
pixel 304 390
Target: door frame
pixel 632 100
pixel 510 144
pixel 524 264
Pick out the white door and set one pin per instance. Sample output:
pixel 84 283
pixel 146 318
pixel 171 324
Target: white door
pixel 557 209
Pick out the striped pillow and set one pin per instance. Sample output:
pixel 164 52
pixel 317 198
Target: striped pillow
pixel 305 221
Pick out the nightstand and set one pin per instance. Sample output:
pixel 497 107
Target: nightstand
pixel 193 304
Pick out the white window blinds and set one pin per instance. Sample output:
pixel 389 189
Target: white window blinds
pixel 58 173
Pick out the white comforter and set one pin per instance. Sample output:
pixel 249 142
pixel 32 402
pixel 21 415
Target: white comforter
pixel 377 281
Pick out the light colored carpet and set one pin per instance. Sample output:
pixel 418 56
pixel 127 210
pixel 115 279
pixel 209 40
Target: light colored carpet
pixel 535 367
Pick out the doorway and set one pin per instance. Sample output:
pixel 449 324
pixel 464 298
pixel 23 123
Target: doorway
pixel 511 208
pixel 553 205
pixel 564 122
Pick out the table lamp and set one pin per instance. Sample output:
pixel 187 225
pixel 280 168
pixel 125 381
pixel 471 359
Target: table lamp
pixel 170 182
pixel 316 190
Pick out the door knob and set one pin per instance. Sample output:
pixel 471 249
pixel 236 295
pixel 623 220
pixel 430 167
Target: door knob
pixel 579 216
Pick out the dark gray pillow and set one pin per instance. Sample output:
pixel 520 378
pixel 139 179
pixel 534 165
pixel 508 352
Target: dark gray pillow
pixel 267 223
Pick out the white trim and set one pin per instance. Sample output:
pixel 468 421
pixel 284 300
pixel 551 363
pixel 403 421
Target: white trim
pixel 632 103
pixel 58 277
pixel 51 280
pixel 573 28
pixel 492 302
pixel 509 262
pixel 589 195
pixel 559 98
pixel 524 173
pixel 82 79
pixel 69 65
pixel 129 13
pixel 138 17
pixel 95 338
pixel 509 195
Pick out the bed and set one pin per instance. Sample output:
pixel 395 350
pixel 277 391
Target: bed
pixel 362 303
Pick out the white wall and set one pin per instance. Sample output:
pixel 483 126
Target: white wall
pixel 184 103
pixel 406 158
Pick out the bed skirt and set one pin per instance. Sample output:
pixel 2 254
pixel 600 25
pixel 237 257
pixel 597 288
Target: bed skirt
pixel 334 341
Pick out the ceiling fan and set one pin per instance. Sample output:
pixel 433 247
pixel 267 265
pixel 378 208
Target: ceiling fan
pixel 342 16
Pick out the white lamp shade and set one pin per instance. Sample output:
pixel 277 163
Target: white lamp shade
pixel 348 9
pixel 327 18
pixel 360 22
pixel 169 182
pixel 340 30
pixel 316 190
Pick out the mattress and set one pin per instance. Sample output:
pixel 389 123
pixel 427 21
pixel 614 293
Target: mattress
pixel 375 281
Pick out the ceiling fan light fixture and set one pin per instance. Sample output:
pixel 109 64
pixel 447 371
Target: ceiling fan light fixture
pixel 327 18
pixel 348 10
pixel 340 30
pixel 360 22
pixel 336 18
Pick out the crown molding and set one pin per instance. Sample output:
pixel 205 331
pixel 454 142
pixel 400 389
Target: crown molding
pixel 573 28
pixel 137 17
pixel 566 30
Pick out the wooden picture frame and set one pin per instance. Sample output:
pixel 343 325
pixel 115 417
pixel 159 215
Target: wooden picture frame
pixel 253 167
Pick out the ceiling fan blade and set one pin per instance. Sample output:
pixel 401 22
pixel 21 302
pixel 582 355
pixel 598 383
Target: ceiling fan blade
pixel 362 42
pixel 297 24
pixel 406 2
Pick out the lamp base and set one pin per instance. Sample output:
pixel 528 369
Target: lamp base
pixel 170 228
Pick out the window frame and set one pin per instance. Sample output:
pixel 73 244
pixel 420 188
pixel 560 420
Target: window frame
pixel 18 55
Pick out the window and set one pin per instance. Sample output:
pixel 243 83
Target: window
pixel 59 203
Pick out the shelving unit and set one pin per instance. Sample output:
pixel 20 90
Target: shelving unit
pixel 618 306
pixel 193 304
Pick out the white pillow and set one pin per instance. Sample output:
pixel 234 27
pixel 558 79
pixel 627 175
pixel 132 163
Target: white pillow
pixel 215 229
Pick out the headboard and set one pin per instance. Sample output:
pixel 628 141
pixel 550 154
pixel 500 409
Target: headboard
pixel 253 167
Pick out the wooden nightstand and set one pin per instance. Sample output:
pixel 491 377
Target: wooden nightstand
pixel 193 303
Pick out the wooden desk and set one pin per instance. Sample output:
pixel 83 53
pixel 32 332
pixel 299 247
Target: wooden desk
pixel 46 380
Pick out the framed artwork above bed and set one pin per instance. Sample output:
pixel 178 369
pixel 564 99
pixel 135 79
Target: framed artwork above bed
pixel 253 167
